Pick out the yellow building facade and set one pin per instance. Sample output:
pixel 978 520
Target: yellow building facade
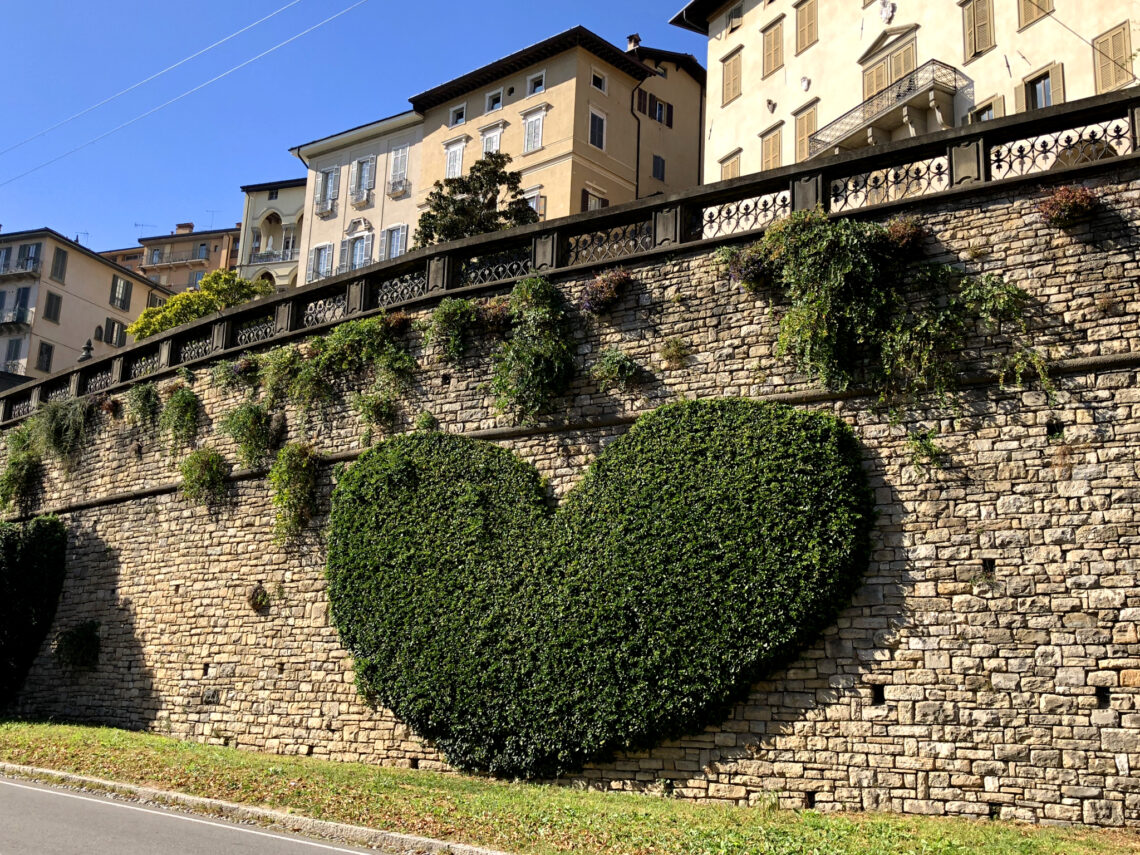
pixel 272 219
pixel 794 79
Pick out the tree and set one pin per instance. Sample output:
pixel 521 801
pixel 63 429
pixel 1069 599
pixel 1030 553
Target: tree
pixel 469 205
pixel 218 290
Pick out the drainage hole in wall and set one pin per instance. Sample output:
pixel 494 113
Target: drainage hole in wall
pixel 280 668
pixel 809 801
pixel 989 567
pixel 1055 430
pixel 878 695
pixel 1103 698
pixel 995 811
pixel 206 670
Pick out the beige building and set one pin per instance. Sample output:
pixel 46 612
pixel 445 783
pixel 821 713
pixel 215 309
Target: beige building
pixel 130 257
pixel 587 124
pixel 359 206
pixel 270 242
pixel 179 260
pixel 792 79
pixel 55 295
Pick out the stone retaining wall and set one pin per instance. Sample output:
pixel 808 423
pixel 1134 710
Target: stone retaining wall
pixel 990 665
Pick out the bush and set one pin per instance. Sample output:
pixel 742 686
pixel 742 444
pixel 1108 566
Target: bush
pixel 23 475
pixel 749 266
pixel 204 475
pixel 59 429
pixel 293 478
pixel 377 409
pixel 78 648
pixel 241 372
pixel 425 421
pixel 32 570
pixel 218 290
pixel 450 327
pixel 906 235
pixel 494 314
pixel 534 366
pixel 615 370
pixel 603 291
pixel 179 419
pixel 143 405
pixel 252 427
pixel 703 549
pixel 674 351
pixel 1066 206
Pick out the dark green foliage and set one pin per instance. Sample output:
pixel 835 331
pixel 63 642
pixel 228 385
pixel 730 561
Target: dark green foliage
pixel 293 478
pixel 534 365
pixel 615 370
pixel 23 475
pixel 143 405
pixel 32 566
pixel 179 419
pixel 924 449
pixel 204 476
pixel 287 375
pixel 702 550
pixel 240 373
pixel 450 327
pixel 425 421
pixel 377 409
pixel 604 290
pixel 675 351
pixel 487 199
pixel 252 427
pixel 60 429
pixel 78 648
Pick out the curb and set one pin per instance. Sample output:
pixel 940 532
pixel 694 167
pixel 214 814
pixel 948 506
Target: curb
pixel 386 842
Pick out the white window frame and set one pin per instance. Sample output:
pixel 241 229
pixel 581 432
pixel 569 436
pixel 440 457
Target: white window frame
pixel 535 114
pixel 533 197
pixel 452 121
pixel 402 246
pixel 488 108
pixel 604 88
pixel 492 139
pixel 459 146
pixel 540 77
pixel 601 114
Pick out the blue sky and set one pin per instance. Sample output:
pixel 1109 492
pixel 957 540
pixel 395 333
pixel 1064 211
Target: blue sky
pixel 186 162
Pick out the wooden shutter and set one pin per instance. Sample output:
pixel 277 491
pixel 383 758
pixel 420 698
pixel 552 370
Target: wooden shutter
pixel 668 115
pixel 126 305
pixel 970 29
pixel 109 331
pixel 319 193
pixel 1113 64
pixel 902 62
pixel 731 78
pixel 403 239
pixel 605 203
pixel 311 268
pixel 805 127
pixel 354 176
pixel 1057 83
pixel 368 248
pixel 875 79
pixel 770 150
pixel 334 181
pixel 807 28
pixel 370 166
pixel 343 255
pixel 642 101
pixel 773 48
pixel 585 200
pixel 983 26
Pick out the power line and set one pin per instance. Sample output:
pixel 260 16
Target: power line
pixel 185 94
pixel 155 76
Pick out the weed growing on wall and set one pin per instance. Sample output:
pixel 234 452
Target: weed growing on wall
pixel 60 429
pixel 701 550
pixel 675 351
pixel 252 428
pixel 1068 205
pixel 615 370
pixel 204 476
pixel 924 450
pixel 449 328
pixel 535 364
pixel 294 479
pixel 23 474
pixel 179 419
pixel 143 405
pixel 604 290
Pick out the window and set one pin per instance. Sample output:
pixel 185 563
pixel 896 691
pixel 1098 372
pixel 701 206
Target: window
pixel 658 167
pixel 5 258
pixel 1112 55
pixel 655 108
pixel 203 252
pixel 593 202
pixel 454 155
pixel 598 81
pixel 1029 11
pixel 730 70
pixel 273 194
pixel 492 139
pixel 395 241
pixel 806 125
pixel 735 18
pixel 398 172
pixel 770 145
pixel 1042 89
pixel 114 333
pixel 532 130
pixel 730 167
pixel 43 358
pixel 536 83
pixel 888 69
pixel 807 25
pixel 537 201
pixel 154 301
pixel 774 48
pixel 597 129
pixel 987 111
pixel 362 179
pixel 195 280
pixel 15 352
pixel 52 307
pixel 457 116
pixel 155 256
pixel 59 264
pixel 494 101
pixel 120 293
pixel 978 21
pixel 356 252
pixel 320 263
pixel 28 256
pixel 328 188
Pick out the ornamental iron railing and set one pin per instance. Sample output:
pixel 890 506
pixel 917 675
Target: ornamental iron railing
pixel 1063 143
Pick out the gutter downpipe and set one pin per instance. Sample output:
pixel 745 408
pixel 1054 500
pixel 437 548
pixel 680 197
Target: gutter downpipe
pixel 637 159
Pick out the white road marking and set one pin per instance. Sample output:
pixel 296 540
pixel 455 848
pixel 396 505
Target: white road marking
pixel 225 826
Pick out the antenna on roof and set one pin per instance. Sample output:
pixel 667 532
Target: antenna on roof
pixel 144 226
pixel 86 235
pixel 211 212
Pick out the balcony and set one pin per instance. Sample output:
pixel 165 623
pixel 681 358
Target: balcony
pixel 21 316
pixel 325 207
pixel 168 258
pixel 360 198
pixel 931 86
pixel 275 256
pixel 15 366
pixel 399 187
pixel 20 269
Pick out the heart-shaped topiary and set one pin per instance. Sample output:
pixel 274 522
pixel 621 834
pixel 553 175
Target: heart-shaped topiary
pixel 702 549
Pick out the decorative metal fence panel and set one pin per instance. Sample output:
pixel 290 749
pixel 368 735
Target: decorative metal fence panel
pixel 21 408
pixel 325 310
pixel 256 330
pixel 1071 147
pixel 510 263
pixel 98 381
pixel 60 392
pixel 746 215
pixel 609 244
pixel 195 348
pixel 141 366
pixel 398 290
pixel 891 184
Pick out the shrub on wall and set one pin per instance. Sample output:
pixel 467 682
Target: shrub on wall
pixel 293 478
pixel 702 549
pixel 204 474
pixel 143 405
pixel 252 427
pixel 604 290
pixel 1068 205
pixel 32 568
pixel 23 474
pixel 449 327
pixel 179 419
pixel 615 370
pixel 60 428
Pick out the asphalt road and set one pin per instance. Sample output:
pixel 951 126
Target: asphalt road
pixel 39 820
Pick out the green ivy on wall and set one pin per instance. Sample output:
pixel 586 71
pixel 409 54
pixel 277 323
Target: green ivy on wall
pixel 703 548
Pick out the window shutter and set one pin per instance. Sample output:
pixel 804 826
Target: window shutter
pixel 319 194
pixel 653 106
pixel 970 29
pixel 111 299
pixel 334 180
pixel 805 25
pixel 983 26
pixel 382 253
pixel 875 79
pixel 642 100
pixel 902 63
pixel 109 331
pixel 1057 83
pixel 1121 59
pixel 605 203
pixel 1019 98
pixel 344 255
pixel 669 116
pixel 368 248
pixel 312 262
pixel 126 306
pixel 403 239
pixel 371 163
pixel 354 175
pixel 585 200
pixel 999 107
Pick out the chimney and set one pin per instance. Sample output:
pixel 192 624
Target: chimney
pixel 634 41
pixel 183 228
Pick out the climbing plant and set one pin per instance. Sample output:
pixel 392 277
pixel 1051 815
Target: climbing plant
pixel 179 419
pixel 23 473
pixel 204 476
pixel 252 427
pixel 701 550
pixel 293 478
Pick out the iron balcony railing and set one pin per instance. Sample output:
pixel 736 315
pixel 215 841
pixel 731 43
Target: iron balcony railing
pixel 398 187
pixel 175 257
pixel 26 267
pixel 274 255
pixel 19 315
pixel 14 366
pixel 922 79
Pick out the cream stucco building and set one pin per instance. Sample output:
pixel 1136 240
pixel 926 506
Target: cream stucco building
pixel 179 260
pixel 792 79
pixel 359 206
pixel 55 295
pixel 271 223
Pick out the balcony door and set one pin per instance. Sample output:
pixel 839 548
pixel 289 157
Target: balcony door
pixel 889 69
